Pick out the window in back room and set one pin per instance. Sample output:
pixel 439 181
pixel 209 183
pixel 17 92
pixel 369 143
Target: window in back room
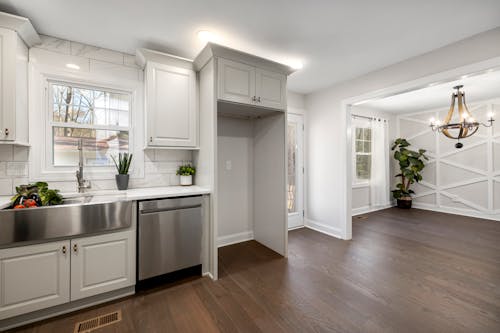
pixel 362 153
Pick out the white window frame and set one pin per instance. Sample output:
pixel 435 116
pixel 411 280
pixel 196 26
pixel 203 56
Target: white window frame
pixel 357 182
pixel 41 167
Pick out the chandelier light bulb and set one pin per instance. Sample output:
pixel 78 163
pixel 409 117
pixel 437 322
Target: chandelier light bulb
pixel 432 121
pixel 490 115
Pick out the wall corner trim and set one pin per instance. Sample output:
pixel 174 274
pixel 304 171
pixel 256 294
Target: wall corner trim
pixel 234 238
pixel 323 228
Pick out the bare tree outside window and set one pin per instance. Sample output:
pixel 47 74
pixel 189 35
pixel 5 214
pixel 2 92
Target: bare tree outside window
pixel 99 117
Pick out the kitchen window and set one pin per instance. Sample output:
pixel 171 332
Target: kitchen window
pixel 99 117
pixel 362 154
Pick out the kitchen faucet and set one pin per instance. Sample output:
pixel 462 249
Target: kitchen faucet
pixel 82 183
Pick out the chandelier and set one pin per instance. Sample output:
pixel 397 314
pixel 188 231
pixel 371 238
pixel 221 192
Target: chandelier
pixel 465 125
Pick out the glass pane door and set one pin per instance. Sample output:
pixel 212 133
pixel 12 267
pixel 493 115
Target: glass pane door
pixel 295 171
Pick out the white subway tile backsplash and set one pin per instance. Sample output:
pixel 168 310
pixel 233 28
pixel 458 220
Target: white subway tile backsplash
pixel 6 186
pixel 6 153
pixel 173 155
pixel 17 169
pixel 64 187
pixel 161 167
pixel 175 180
pixel 20 154
pixel 18 182
pixel 97 53
pixel 3 169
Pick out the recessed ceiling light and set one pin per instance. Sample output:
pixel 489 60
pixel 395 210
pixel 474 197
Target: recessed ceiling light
pixel 296 65
pixel 206 36
pixel 73 66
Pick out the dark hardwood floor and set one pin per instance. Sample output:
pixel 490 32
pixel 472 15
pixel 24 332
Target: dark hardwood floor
pixel 404 271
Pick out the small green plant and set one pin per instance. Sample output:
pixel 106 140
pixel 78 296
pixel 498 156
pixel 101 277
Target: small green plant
pixel 123 164
pixel 186 170
pixel 411 164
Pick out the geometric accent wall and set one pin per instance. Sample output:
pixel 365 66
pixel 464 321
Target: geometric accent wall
pixel 460 181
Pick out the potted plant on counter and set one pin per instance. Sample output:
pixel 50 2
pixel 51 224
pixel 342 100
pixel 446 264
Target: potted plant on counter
pixel 411 164
pixel 122 166
pixel 186 173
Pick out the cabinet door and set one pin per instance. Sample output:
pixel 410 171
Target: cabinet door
pixel 33 278
pixel 7 84
pixel 236 82
pixel 270 89
pixel 171 106
pixel 102 263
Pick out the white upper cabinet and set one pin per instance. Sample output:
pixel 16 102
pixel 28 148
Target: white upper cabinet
pixel 13 87
pixel 171 103
pixel 34 277
pixel 241 83
pixel 270 89
pixel 236 82
pixel 16 36
pixel 102 263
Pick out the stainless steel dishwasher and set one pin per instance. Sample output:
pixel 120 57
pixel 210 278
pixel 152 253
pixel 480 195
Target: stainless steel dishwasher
pixel 170 235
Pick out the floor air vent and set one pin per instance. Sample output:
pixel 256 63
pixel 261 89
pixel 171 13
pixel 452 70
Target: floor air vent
pixel 98 322
pixel 360 217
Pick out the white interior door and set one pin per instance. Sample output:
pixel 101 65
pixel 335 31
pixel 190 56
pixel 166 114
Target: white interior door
pixel 295 186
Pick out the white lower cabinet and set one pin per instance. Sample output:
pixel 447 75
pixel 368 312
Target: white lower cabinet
pixel 102 263
pixel 34 277
pixel 40 276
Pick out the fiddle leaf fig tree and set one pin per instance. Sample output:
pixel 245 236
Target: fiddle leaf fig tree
pixel 411 164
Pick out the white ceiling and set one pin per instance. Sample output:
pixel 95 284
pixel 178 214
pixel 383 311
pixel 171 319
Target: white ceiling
pixel 476 87
pixel 335 39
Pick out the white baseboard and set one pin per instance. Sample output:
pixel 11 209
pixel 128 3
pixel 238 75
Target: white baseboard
pixel 323 228
pixel 234 238
pixel 369 209
pixel 456 211
pixel 296 227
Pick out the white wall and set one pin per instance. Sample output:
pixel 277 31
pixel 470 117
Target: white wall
pixel 466 180
pixel 235 179
pixel 296 102
pixel 326 123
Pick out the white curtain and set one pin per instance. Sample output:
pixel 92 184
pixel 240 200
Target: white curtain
pixel 379 177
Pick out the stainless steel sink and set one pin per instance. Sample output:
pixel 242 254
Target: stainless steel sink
pixel 83 215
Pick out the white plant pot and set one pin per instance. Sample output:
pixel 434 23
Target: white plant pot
pixel 186 180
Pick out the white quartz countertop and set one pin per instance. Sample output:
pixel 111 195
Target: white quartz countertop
pixel 131 194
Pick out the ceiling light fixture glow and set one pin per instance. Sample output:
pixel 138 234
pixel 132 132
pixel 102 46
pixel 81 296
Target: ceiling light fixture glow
pixel 206 36
pixel 296 65
pixel 73 66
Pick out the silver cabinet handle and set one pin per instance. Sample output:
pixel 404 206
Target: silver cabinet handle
pixel 254 99
pixel 6 132
pixel 75 248
pixel 63 250
pixel 258 99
